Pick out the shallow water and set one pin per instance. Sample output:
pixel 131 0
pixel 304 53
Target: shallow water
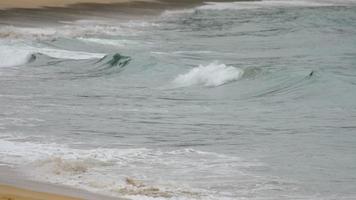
pixel 252 100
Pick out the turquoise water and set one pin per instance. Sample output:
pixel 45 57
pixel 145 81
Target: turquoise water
pixel 223 101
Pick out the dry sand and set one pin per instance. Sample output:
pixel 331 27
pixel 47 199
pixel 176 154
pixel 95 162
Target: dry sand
pixel 5 4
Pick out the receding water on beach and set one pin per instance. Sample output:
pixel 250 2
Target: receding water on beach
pixel 221 101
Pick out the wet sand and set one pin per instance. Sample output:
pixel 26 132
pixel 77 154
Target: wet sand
pixel 14 186
pixel 41 12
pixel 5 4
pixel 47 13
pixel 14 193
pixel 31 4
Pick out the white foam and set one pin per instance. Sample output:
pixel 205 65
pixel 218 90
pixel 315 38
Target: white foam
pixel 15 54
pixel 60 157
pixel 211 75
pixel 168 13
pixel 79 28
pixel 243 5
pixel 271 3
pixel 66 30
pixel 13 57
pixel 65 54
pixel 112 42
pixel 14 32
pixel 134 173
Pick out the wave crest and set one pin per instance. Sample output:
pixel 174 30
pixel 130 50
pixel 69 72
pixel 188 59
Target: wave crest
pixel 242 5
pixel 211 75
pixel 12 55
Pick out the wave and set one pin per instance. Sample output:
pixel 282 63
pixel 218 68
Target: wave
pixel 65 54
pixel 13 57
pixel 272 3
pixel 132 173
pixel 67 30
pixel 75 29
pixel 168 13
pixel 211 75
pixel 69 64
pixel 288 85
pixel 244 5
pixel 110 61
pixel 111 42
pixel 16 55
pixel 84 68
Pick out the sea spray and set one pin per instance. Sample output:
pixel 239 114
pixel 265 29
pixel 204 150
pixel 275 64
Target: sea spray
pixel 211 75
pixel 13 57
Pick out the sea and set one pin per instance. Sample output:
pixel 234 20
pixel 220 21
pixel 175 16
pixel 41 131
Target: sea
pixel 219 100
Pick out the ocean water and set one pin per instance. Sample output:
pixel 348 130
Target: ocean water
pixel 223 101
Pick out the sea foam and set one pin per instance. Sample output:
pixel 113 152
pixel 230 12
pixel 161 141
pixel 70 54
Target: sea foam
pixel 132 173
pixel 13 57
pixel 211 75
pixel 265 4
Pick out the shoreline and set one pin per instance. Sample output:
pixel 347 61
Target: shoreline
pixel 15 193
pixel 16 187
pixel 95 4
pixel 44 4
pixel 123 10
pixel 11 4
pixel 50 12
pixel 13 185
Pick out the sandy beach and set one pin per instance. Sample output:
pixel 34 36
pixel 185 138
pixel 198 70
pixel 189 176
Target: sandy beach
pixel 15 186
pixel 29 190
pixel 14 193
pixel 177 99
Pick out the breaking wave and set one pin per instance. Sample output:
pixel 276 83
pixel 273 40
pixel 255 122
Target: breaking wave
pixel 118 172
pixel 211 75
pixel 85 68
pixel 111 42
pixel 76 63
pixel 271 4
pixel 11 56
pixel 75 29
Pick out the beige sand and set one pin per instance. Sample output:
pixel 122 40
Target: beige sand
pixel 5 4
pixel 13 193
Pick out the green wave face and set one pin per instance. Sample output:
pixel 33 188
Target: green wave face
pixel 63 68
pixel 119 60
pixel 243 100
